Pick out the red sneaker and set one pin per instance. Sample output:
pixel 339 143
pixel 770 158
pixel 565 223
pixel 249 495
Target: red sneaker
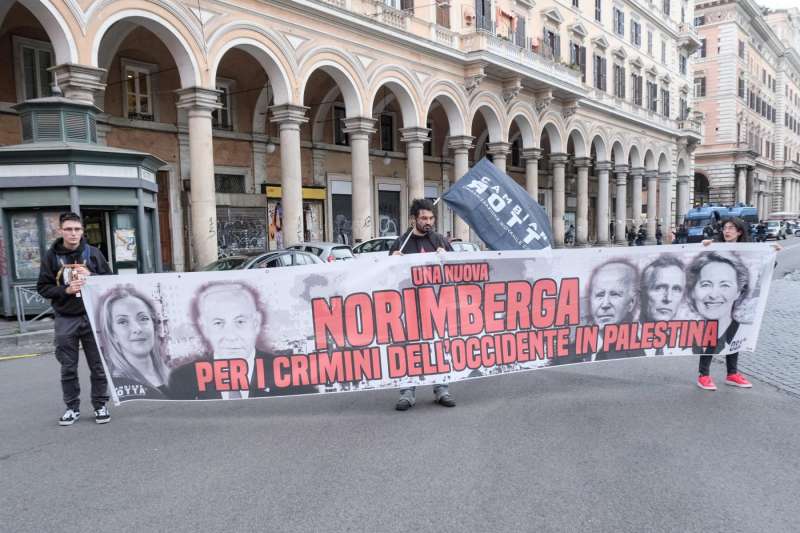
pixel 706 383
pixel 738 380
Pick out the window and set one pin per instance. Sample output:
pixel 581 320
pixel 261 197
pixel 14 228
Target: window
pixel 682 63
pixel 699 21
pixel 763 75
pixel 598 10
pixel 222 118
pixel 600 72
pixel 636 33
pixel 652 96
pixel 741 49
pixel 650 42
pixel 138 91
pixel 619 22
pixel 552 44
pixel 32 59
pixel 339 136
pixel 387 132
pixel 683 108
pixel 636 89
pixel 665 102
pixel 575 3
pixel 663 52
pixel 443 13
pixel 519 33
pixel 665 7
pixel 700 87
pixel 619 81
pixel 741 88
pixel 577 56
pixel 702 50
pixel 229 183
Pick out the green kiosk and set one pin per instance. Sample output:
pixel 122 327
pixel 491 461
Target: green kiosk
pixel 60 167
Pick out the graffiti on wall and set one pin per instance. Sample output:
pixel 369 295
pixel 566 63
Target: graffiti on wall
pixel 241 230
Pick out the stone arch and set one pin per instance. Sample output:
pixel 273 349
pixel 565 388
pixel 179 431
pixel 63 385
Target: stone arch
pixel 618 152
pixel 557 144
pixel 600 148
pixel 649 160
pixel 490 108
pixel 522 114
pixel 178 39
pixel 635 157
pixel 406 94
pixel 344 73
pixel 449 97
pixel 683 167
pixel 264 48
pixel 578 138
pixel 663 163
pixel 54 24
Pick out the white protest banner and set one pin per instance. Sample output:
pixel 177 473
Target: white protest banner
pixel 420 319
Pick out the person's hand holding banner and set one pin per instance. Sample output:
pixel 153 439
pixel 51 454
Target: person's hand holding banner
pixel 501 212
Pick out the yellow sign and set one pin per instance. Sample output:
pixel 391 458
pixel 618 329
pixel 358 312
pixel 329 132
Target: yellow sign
pixel 309 193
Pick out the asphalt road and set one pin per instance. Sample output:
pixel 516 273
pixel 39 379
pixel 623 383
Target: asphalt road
pixel 623 446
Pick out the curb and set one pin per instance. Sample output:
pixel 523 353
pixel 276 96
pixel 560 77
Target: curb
pixel 26 339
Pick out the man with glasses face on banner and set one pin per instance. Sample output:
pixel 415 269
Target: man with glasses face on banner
pixel 63 270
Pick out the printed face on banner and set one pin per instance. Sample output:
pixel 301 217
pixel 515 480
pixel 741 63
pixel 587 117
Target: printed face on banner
pixel 716 291
pixel 132 327
pixel 229 319
pixel 665 292
pixel 612 293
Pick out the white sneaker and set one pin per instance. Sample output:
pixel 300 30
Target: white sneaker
pixel 69 417
pixel 102 416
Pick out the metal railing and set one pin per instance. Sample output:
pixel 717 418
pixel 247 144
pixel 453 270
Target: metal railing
pixel 26 295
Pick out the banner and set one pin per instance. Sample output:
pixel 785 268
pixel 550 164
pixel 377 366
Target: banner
pixel 388 322
pixel 501 212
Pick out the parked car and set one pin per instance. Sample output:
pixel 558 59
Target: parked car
pixel 464 246
pixel 373 246
pixel 327 251
pixel 277 258
pixel 776 230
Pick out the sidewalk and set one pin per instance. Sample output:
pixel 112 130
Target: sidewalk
pixel 38 338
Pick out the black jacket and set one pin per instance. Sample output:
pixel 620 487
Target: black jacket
pixel 412 246
pixel 51 283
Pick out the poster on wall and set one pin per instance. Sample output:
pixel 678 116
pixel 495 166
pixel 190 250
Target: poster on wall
pixel 275 221
pixel 26 243
pixel 125 245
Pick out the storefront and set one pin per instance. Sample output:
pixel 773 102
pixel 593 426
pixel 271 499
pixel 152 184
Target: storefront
pixel 60 167
pixel 313 215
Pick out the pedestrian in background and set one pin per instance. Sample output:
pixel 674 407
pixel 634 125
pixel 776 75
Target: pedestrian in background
pixel 64 268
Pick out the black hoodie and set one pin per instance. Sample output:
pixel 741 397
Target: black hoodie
pixel 51 284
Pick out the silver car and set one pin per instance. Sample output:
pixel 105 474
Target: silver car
pixel 277 258
pixel 373 246
pixel 327 251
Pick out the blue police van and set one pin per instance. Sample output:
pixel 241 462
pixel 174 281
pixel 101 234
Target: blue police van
pixel 698 218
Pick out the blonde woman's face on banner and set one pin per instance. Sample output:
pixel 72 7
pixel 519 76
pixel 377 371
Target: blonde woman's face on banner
pixel 716 291
pixel 132 327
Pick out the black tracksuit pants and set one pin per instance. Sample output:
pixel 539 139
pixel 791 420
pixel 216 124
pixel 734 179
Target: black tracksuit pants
pixel 69 331
pixel 731 361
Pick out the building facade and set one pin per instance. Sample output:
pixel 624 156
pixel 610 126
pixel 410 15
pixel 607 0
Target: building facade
pixel 280 122
pixel 747 84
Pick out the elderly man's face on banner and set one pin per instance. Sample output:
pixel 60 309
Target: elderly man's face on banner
pixel 230 322
pixel 665 292
pixel 612 294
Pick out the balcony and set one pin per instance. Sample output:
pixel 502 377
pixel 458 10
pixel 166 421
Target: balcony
pixel 688 38
pixel 485 40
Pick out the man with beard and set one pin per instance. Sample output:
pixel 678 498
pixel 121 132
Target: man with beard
pixel 662 290
pixel 421 238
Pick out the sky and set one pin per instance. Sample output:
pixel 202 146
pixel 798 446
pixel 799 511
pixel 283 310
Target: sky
pixel 779 4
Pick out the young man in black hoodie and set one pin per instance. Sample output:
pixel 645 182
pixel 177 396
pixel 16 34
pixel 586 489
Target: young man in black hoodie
pixel 422 239
pixel 64 266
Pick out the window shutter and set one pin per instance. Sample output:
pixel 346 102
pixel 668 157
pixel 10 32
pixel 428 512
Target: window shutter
pixel 582 59
pixel 557 47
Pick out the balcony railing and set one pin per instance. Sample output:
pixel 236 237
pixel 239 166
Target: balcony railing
pixel 688 37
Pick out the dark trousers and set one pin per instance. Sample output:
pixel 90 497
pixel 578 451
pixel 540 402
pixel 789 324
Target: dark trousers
pixel 731 361
pixel 69 331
